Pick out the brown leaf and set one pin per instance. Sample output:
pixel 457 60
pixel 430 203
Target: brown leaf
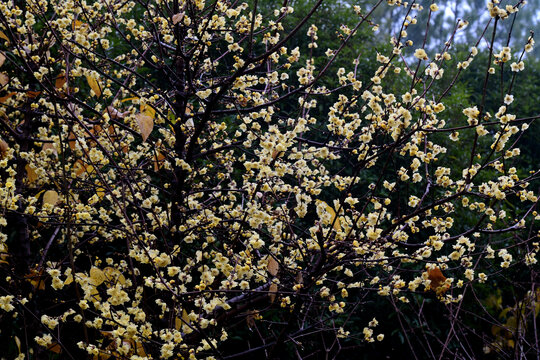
pixel 36 279
pixel 33 94
pixel 146 124
pixel 177 17
pixel 437 279
pixel 272 292
pixel 115 113
pixel 2 58
pixel 4 79
pixel 4 147
pixel 51 146
pixel 55 348
pixel 60 81
pixel 250 318
pixel 71 140
pixel 4 98
pixel 159 159
pixel 273 266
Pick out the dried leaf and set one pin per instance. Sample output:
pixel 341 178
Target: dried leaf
pixel 113 276
pixel 50 197
pixel 273 266
pixel 4 79
pixel 3 36
pixel 30 173
pixel 55 348
pixel 178 322
pixel 60 81
pixel 94 84
pixel 33 94
pixel 51 146
pixel 2 58
pixel 115 113
pixel 159 159
pixel 4 98
pixel 71 140
pixel 146 124
pixel 177 17
pixel 148 110
pixel 36 279
pixel 97 276
pixel 334 219
pixel 437 279
pixel 250 318
pixel 272 292
pixel 4 147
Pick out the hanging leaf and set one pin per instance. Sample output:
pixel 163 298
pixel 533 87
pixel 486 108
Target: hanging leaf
pixel 36 279
pixel 50 197
pixel 113 276
pixel 94 84
pixel 437 279
pixel 148 110
pixel 5 97
pixel 273 266
pixel 146 124
pixel 115 113
pixel 60 81
pixel 272 292
pixel 333 219
pixel 33 94
pixel 55 348
pixel 2 58
pixel 177 17
pixel 159 159
pixel 4 79
pixel 30 173
pixel 81 167
pixel 97 276
pixel 47 146
pixel 4 147
pixel 3 36
pixel 178 322
pixel 71 140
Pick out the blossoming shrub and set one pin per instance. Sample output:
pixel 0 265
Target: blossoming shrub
pixel 177 182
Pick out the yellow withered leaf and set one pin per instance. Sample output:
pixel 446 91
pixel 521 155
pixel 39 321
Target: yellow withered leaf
pixel 2 58
pixel 146 124
pixel 97 276
pixel 94 84
pixel 3 36
pixel 50 197
pixel 148 110
pixel 272 292
pixel 30 173
pixel 334 219
pixel 178 322
pixel 114 275
pixel 273 266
